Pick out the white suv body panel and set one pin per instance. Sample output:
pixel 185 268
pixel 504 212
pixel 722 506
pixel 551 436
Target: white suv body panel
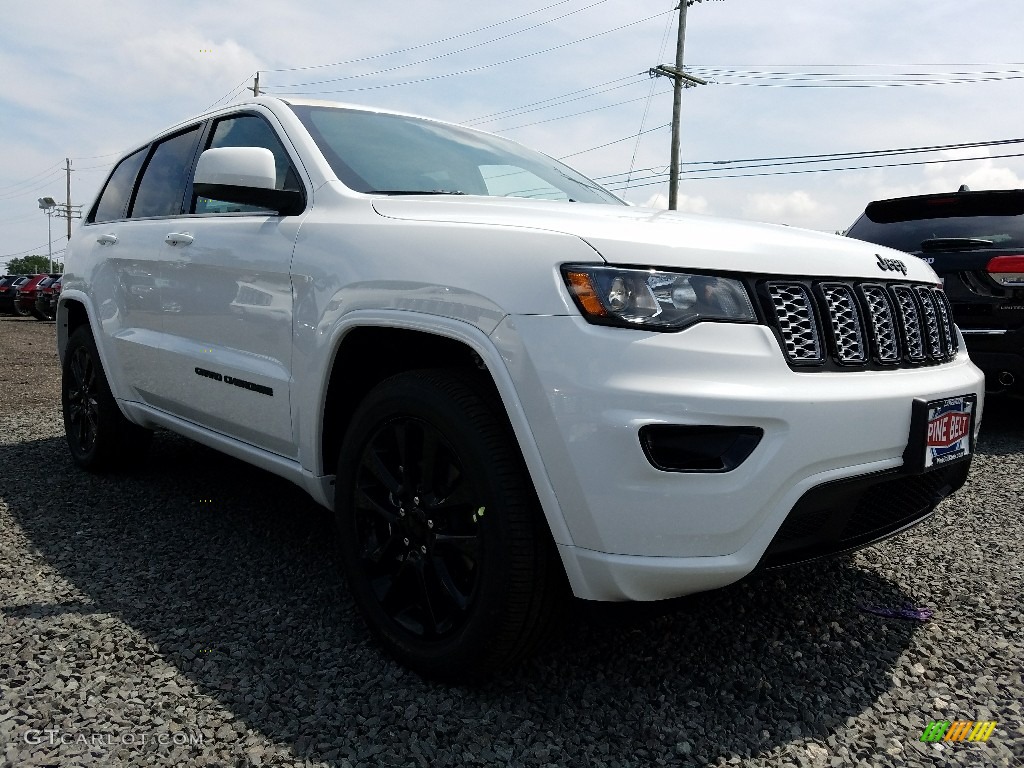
pixel 485 272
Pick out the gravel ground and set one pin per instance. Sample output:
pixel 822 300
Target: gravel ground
pixel 190 613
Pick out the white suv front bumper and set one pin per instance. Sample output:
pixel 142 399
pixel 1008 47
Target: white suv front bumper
pixel 640 533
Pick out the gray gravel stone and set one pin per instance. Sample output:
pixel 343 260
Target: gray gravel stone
pixel 132 615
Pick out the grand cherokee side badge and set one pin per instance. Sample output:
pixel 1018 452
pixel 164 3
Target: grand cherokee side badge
pixel 894 265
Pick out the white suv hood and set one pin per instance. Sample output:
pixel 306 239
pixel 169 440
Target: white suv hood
pixel 648 237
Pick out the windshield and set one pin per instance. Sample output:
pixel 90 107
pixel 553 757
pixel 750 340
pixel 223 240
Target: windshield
pixel 392 154
pixel 906 223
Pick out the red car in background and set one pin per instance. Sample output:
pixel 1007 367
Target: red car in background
pixel 28 292
pixel 9 294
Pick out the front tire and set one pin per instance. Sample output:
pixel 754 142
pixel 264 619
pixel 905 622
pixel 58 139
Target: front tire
pixel 445 548
pixel 98 434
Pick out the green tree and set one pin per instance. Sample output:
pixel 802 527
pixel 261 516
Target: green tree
pixel 32 265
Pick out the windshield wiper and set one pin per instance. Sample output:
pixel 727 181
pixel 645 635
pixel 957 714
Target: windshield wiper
pixel 416 192
pixel 953 243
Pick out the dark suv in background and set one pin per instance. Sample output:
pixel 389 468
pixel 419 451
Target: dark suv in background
pixel 975 242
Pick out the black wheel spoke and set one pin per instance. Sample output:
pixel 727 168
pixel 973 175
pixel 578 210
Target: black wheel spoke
pixel 400 432
pixel 430 622
pixel 367 502
pixel 78 371
pixel 83 408
pixel 468 545
pixel 376 466
pixel 376 554
pixel 429 450
pixel 454 499
pixel 444 578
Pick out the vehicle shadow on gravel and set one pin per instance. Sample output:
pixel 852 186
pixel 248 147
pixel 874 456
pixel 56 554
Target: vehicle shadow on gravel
pixel 232 574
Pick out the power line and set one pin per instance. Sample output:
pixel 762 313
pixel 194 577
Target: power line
pixel 829 170
pixel 617 141
pixel 229 94
pixel 783 160
pixel 555 101
pixel 41 185
pixel 421 45
pixel 856 77
pixel 473 69
pixel 49 171
pixel 574 114
pixel 440 55
pixel 650 98
pixel 33 248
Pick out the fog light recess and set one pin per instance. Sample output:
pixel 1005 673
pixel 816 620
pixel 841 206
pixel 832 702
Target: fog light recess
pixel 677 448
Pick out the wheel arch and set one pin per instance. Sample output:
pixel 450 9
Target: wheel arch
pixel 73 312
pixel 416 343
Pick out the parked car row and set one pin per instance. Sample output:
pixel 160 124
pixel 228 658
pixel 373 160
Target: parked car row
pixel 35 295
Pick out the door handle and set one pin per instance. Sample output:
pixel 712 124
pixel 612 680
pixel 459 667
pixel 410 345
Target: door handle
pixel 106 239
pixel 178 238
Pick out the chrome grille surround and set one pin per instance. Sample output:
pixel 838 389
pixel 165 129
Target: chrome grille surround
pixel 795 313
pixel 854 324
pixel 843 313
pixel 885 336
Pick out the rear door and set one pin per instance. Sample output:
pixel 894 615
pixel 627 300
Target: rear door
pixel 120 246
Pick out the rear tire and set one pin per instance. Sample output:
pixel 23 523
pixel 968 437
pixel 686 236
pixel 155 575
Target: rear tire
pixel 447 553
pixel 98 434
pixel 21 311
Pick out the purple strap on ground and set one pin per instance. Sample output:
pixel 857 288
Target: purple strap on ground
pixel 906 612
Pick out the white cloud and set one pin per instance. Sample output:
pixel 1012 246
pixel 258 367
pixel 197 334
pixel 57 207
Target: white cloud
pixel 796 207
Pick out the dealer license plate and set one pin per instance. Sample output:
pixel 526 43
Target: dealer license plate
pixel 949 428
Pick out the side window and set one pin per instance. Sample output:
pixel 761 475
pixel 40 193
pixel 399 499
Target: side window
pixel 248 131
pixel 114 201
pixel 162 188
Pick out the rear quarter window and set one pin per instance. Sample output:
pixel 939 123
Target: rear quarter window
pixel 113 201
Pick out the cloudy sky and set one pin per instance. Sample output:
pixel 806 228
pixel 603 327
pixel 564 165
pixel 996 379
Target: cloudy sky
pixel 795 87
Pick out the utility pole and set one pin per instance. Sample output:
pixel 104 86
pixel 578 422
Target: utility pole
pixel 680 80
pixel 255 87
pixel 67 206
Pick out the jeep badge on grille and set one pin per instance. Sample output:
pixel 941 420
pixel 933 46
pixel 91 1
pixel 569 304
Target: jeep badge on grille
pixel 893 265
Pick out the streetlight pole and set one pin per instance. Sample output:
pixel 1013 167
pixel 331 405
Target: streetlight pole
pixel 48 204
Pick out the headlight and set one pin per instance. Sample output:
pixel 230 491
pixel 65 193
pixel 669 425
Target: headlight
pixel 646 298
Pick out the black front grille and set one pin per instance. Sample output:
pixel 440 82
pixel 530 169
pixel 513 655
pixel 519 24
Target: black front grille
pixel 847 324
pixel 852 513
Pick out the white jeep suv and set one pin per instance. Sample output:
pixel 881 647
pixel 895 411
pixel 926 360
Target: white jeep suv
pixel 505 382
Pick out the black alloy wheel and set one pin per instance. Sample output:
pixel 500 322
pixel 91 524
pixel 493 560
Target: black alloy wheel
pixel 98 434
pixel 446 550
pixel 82 412
pixel 417 518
